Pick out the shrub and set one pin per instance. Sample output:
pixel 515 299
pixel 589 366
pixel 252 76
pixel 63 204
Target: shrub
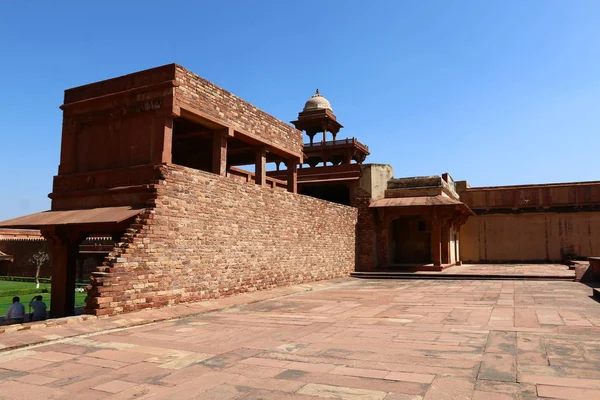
pixel 24 279
pixel 21 292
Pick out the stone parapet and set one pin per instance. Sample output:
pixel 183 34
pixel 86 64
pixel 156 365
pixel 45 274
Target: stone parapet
pixel 198 94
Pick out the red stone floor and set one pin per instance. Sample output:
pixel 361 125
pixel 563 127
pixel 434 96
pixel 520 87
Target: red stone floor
pixel 342 339
pixel 510 270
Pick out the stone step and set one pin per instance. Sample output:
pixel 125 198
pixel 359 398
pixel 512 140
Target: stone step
pixel 442 276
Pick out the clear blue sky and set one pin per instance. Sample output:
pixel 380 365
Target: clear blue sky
pixel 494 92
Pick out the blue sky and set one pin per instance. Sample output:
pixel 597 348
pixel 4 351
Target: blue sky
pixel 494 92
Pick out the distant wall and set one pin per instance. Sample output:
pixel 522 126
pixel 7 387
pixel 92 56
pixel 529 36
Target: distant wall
pixel 23 250
pixel 577 194
pixel 207 236
pixel 540 236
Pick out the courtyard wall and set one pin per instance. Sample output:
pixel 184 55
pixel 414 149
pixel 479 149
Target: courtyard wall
pixel 540 236
pixel 541 222
pixel 206 236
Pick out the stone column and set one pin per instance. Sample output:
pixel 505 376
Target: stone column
pixel 64 247
pixel 446 252
pixel 167 142
pixel 436 240
pixel 260 169
pixel 292 176
pixel 348 158
pixel 382 239
pixel 219 153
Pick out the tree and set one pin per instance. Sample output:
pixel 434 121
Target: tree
pixel 39 259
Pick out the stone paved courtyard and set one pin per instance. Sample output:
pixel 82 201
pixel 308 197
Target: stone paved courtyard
pixel 510 270
pixel 344 339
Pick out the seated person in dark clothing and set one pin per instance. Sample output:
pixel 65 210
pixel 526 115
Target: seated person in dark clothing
pixel 15 313
pixel 39 309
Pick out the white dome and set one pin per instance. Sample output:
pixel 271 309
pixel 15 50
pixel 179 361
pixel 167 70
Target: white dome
pixel 317 102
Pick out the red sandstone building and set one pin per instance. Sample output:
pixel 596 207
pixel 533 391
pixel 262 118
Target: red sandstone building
pixel 155 160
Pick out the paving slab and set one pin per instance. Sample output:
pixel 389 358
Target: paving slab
pixel 341 339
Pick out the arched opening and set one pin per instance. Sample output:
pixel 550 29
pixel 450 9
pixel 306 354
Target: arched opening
pixel 410 241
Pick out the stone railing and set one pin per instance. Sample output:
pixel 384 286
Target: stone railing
pixel 352 141
pixel 248 176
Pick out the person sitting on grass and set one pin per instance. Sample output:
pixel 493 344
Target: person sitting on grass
pixel 15 313
pixel 39 309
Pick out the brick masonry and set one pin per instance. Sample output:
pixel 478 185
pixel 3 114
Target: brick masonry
pixel 207 236
pixel 130 118
pixel 200 94
pixel 366 232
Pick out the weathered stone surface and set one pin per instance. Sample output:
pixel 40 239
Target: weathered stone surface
pixel 337 338
pixel 340 392
pixel 498 367
pixel 209 236
pixel 444 388
pixel 207 97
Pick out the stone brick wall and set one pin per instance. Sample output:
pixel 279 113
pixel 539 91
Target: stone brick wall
pixel 366 232
pixel 208 236
pixel 207 97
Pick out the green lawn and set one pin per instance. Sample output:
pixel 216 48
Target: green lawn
pixel 6 301
pixel 12 285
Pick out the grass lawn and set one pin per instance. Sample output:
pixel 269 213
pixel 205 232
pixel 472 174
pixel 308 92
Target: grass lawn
pixel 6 301
pixel 12 285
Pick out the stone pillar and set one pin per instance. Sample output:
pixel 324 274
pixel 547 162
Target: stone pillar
pixel 219 153
pixel 348 158
pixel 64 248
pixel 167 142
pixel 383 239
pixel 436 240
pixel 292 176
pixel 260 169
pixel 445 244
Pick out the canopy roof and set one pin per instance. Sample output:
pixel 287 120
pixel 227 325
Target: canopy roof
pixel 72 217
pixel 419 201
